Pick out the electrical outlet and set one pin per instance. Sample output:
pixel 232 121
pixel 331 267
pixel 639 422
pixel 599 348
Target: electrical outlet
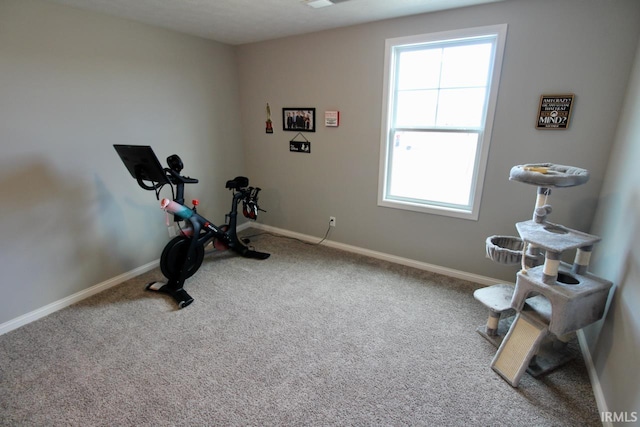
pixel 332 221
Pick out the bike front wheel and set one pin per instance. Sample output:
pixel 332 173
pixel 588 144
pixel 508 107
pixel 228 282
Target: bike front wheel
pixel 174 254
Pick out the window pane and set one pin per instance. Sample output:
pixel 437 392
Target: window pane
pixel 433 166
pixel 439 99
pixel 419 69
pixel 416 108
pixel 466 66
pixel 461 108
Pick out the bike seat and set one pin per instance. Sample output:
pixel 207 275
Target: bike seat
pixel 237 182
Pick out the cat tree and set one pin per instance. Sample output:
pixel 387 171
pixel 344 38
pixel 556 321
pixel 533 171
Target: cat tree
pixel 530 323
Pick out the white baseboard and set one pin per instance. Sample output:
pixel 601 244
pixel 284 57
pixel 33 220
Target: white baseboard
pixel 593 376
pixel 86 293
pixel 463 275
pixel 72 299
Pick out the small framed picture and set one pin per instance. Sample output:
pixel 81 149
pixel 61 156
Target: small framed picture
pixel 299 119
pixel 332 118
pixel 554 111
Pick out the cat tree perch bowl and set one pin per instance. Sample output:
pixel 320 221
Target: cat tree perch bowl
pixel 506 250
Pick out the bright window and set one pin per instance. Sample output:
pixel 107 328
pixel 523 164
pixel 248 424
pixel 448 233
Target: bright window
pixel 440 93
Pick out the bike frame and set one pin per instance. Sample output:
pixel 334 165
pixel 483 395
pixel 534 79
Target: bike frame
pixel 204 230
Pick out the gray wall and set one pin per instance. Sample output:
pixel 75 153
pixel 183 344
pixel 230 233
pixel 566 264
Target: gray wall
pixel 552 46
pixel 615 343
pixel 73 83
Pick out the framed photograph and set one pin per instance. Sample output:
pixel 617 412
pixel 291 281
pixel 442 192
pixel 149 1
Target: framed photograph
pixel 554 111
pixel 299 119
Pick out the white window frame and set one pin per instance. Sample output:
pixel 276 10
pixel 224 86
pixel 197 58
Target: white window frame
pixel 472 211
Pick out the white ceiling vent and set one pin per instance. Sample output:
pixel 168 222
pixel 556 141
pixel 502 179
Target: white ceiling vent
pixel 317 4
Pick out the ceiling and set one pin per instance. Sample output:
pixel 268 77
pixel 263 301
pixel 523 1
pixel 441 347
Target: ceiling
pixel 245 21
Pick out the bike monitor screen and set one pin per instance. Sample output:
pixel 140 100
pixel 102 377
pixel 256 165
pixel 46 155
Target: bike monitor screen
pixel 142 163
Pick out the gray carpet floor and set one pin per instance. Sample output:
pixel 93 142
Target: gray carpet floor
pixel 310 336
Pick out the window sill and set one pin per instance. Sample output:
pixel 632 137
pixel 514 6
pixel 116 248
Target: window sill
pixel 430 209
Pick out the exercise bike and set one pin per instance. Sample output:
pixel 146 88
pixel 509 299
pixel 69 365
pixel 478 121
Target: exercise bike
pixel 183 255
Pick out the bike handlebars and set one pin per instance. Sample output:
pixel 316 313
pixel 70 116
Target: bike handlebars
pixel 176 178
